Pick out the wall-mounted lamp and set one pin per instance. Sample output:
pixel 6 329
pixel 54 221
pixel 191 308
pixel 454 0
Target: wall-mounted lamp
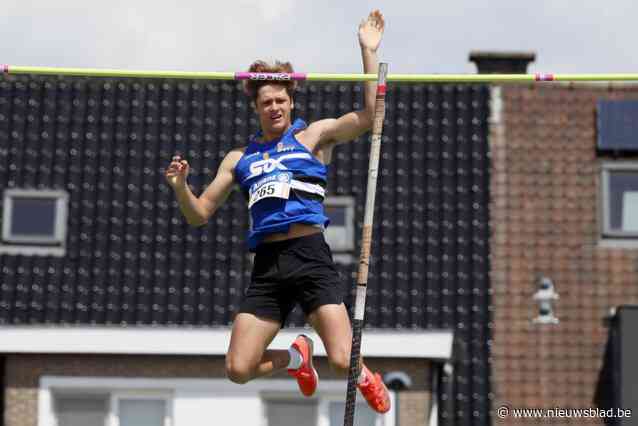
pixel 545 296
pixel 397 381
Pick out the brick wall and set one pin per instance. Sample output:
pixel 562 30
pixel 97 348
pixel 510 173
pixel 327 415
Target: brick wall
pixel 24 372
pixel 544 220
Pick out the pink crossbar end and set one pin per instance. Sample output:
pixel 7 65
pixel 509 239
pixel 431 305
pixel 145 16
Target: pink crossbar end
pixel 5 69
pixel 264 76
pixel 543 77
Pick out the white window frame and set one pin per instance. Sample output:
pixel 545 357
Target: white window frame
pixel 323 400
pixel 114 390
pixel 252 395
pixel 35 245
pixel 609 236
pixel 342 253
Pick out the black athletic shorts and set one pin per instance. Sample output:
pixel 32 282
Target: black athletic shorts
pixel 299 270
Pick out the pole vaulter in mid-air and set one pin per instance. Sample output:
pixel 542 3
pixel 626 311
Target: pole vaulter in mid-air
pixel 282 173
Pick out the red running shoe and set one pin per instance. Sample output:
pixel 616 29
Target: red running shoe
pixel 306 375
pixel 374 391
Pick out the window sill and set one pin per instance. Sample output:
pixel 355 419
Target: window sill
pixel 27 250
pixel 626 243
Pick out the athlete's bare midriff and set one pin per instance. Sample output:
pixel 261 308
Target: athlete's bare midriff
pixel 296 230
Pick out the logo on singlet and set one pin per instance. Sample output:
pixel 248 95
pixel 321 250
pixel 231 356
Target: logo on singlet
pixel 283 148
pixel 260 167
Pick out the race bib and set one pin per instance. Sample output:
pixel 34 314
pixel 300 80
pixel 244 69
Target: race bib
pixel 277 186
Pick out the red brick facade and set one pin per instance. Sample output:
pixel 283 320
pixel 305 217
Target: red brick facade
pixel 545 221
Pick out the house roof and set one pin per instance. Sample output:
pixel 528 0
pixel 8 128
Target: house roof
pixel 132 260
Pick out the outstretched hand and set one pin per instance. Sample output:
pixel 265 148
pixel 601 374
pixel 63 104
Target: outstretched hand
pixel 371 31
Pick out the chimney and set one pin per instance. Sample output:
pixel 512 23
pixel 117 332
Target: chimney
pixel 502 62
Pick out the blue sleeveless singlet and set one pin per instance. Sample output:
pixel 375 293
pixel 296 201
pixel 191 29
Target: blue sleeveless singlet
pixel 283 183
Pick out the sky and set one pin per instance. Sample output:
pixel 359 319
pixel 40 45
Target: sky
pixel 317 36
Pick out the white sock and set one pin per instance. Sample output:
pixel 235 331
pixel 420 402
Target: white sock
pixel 295 359
pixel 362 376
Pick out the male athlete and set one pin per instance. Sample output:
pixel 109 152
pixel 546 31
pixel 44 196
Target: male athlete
pixel 282 172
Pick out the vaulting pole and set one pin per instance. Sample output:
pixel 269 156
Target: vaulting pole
pixel 408 78
pixel 366 242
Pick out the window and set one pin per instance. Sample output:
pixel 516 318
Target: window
pixel 291 412
pixel 140 410
pixel 81 410
pixel 322 410
pixel 34 222
pixel 620 200
pixel 116 408
pixel 146 401
pixel 364 416
pixel 340 233
pixel 617 123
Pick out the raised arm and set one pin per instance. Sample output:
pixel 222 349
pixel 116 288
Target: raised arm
pixel 354 124
pixel 196 210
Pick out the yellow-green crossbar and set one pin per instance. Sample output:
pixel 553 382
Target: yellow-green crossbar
pixel 412 78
